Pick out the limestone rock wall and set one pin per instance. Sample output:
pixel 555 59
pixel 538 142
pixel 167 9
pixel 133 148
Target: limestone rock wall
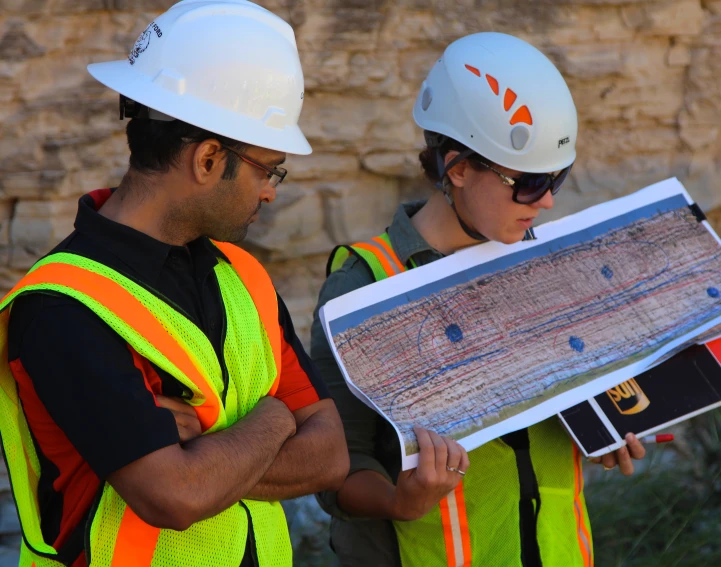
pixel 645 75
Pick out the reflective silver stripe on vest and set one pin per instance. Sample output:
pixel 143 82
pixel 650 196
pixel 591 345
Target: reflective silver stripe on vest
pixel 385 254
pixel 455 528
pixel 582 537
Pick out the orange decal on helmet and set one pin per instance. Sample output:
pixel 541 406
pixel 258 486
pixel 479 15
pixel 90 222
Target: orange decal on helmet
pixel 473 70
pixel 522 115
pixel 508 99
pixel 493 83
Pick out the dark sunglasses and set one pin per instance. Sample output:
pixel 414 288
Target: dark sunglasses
pixel 529 187
pixel 275 174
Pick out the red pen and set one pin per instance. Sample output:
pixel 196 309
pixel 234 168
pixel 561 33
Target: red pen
pixel 662 438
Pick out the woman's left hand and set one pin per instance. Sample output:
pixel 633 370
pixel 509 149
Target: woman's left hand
pixel 622 457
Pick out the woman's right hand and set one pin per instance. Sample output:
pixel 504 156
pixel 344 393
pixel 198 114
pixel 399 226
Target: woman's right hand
pixel 419 490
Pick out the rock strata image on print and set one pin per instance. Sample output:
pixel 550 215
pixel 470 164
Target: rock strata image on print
pixel 471 355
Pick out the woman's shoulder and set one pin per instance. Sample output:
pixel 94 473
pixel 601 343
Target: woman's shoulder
pixel 352 275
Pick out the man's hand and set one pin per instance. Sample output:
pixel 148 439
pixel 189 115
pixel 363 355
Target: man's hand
pixel 185 417
pixel 187 420
pixel 634 449
pixel 419 490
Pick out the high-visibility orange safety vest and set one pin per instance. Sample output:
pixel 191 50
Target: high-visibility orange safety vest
pixel 115 536
pixel 521 503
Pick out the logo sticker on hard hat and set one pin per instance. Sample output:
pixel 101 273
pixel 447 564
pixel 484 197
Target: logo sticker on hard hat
pixel 520 134
pixel 142 43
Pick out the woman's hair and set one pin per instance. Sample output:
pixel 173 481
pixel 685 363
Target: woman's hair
pixel 429 160
pixel 155 145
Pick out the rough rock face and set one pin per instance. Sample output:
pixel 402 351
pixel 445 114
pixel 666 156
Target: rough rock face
pixel 645 75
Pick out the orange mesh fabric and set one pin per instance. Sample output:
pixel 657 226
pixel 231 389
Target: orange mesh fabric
pixel 117 536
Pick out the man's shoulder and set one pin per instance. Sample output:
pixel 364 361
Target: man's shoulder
pixel 43 312
pixel 71 243
pixel 31 303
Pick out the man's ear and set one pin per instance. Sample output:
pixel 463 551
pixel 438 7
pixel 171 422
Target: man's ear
pixel 208 162
pixel 457 174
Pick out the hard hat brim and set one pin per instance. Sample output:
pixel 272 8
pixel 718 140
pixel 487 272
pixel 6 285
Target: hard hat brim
pixel 120 77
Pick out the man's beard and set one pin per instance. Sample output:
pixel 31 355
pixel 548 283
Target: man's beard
pixel 240 234
pixel 242 231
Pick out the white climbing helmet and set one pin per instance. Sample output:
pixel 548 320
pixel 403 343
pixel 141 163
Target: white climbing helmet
pixel 504 99
pixel 228 66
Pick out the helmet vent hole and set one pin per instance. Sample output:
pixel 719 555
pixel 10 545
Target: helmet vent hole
pixel 427 98
pixel 519 137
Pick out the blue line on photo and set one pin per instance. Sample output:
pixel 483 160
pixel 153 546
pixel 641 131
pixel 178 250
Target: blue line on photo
pixel 585 235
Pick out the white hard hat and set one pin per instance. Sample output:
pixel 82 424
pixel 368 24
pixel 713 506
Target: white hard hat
pixel 504 99
pixel 227 66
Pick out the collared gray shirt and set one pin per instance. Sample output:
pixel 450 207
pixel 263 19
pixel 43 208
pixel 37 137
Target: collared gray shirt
pixel 372 442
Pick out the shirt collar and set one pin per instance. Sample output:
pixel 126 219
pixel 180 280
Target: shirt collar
pixel 405 239
pixel 142 254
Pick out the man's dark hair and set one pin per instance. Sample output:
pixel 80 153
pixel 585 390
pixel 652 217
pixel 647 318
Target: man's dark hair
pixel 155 145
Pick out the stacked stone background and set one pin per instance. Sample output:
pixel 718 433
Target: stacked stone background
pixel 645 75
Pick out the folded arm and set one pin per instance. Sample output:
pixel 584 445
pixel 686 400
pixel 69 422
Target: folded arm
pixel 97 399
pixel 314 459
pixel 179 485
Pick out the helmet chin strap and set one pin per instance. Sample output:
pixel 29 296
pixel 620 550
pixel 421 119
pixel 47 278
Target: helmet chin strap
pixel 445 186
pixel 475 235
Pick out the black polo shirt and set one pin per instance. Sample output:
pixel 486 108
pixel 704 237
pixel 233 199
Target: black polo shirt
pixel 87 396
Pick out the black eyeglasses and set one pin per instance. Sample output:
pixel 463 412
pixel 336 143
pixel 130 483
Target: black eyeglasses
pixel 275 174
pixel 529 187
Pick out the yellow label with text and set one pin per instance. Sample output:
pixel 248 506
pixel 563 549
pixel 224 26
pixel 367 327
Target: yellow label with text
pixel 628 397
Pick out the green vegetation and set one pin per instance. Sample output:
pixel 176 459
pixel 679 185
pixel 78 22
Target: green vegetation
pixel 667 515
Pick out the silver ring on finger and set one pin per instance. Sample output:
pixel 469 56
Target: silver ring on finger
pixel 455 469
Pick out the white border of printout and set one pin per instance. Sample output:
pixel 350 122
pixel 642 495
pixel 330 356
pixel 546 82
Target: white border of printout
pixel 482 253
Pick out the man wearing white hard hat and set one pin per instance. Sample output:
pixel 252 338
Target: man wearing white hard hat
pixel 500 128
pixel 155 401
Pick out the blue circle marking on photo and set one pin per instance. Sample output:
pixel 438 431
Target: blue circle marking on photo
pixel 713 292
pixel 454 333
pixel 577 344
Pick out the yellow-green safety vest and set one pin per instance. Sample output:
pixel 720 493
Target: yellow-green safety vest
pixel 114 535
pixel 521 503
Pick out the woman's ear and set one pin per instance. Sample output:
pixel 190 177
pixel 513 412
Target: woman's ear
pixel 457 173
